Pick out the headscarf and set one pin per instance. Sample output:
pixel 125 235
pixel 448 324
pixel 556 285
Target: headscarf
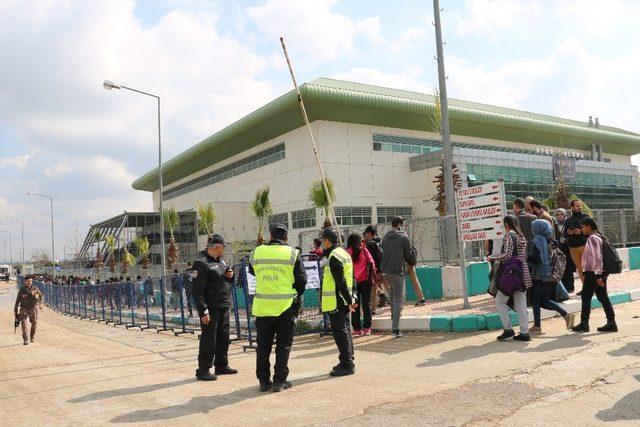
pixel 564 215
pixel 542 233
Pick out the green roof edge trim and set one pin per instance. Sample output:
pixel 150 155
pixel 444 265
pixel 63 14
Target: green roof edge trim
pixel 340 101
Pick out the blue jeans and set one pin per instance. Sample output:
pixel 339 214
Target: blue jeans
pixel 561 292
pixel 541 293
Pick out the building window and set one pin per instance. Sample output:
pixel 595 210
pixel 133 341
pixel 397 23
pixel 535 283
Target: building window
pixel 353 215
pixel 304 218
pixel 386 213
pixel 247 164
pixel 404 144
pixel 278 219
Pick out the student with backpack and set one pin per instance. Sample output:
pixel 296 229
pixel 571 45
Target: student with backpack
pixel 599 259
pixel 548 264
pixel 364 269
pixel 513 279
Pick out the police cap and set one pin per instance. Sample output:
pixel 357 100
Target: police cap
pixel 330 234
pixel 216 239
pixel 279 232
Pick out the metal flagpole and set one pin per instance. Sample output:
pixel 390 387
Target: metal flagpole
pixel 313 141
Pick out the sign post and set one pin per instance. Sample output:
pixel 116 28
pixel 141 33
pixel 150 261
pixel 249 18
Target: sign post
pixel 480 213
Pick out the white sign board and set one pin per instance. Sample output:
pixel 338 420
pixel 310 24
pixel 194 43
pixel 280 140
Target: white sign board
pixel 251 282
pixel 480 212
pixel 313 274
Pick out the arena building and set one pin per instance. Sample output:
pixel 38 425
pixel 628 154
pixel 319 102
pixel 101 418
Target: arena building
pixel 379 147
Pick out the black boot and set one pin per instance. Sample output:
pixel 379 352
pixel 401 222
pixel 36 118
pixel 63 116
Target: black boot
pixel 609 327
pixel 341 371
pixel 206 376
pixel 225 370
pixel 508 333
pixel 265 385
pixel 581 327
pixel 278 387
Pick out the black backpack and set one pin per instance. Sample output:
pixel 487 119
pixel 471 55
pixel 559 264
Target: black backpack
pixel 610 259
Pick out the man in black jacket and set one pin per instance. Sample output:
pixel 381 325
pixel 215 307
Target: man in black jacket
pixel 211 282
pixel 575 240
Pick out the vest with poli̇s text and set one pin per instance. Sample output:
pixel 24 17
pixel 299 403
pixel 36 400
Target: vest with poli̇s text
pixel 329 295
pixel 273 266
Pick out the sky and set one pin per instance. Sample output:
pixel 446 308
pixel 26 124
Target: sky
pixel 212 62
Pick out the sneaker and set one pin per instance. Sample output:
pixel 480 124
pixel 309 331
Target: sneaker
pixel 26 343
pixel 581 327
pixel 579 293
pixel 535 330
pixel 397 333
pixel 570 319
pixel 225 370
pixel 341 371
pixel 206 376
pixel 31 339
pixel 421 302
pixel 522 337
pixel 358 333
pixel 373 312
pixel 506 334
pixel 383 300
pixel 609 327
pixel 367 331
pixel 278 387
pixel 265 385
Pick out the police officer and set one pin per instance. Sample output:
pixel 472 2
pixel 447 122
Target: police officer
pixel 337 300
pixel 28 301
pixel 280 283
pixel 211 292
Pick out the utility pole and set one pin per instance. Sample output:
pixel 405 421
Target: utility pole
pixel 447 152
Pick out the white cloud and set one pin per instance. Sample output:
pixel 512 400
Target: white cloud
pixel 408 79
pixel 19 161
pixel 489 17
pixel 313 29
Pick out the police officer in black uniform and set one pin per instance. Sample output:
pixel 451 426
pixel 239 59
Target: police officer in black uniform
pixel 211 284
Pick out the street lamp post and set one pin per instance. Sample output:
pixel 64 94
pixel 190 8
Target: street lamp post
pixel 109 85
pixel 53 246
pixel 10 247
pixel 22 232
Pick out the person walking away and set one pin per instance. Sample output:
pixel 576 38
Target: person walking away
pixel 364 269
pixel 28 301
pixel 524 219
pixel 211 292
pixel 543 257
pixel 187 280
pixel 174 297
pixel 280 282
pixel 397 252
pixel 337 300
pixel 576 240
pixel 515 245
pixel 595 279
pixel 570 268
pixel 371 239
pixel 413 277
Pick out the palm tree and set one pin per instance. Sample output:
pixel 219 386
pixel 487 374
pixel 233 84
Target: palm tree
pixel 111 245
pixel 171 221
pixel 261 208
pixel 142 243
pixel 318 199
pixel 206 219
pixel 97 236
pixel 127 261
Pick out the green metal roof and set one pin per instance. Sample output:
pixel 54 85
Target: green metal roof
pixel 348 102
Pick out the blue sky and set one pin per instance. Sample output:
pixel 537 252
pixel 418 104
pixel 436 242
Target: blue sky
pixel 215 61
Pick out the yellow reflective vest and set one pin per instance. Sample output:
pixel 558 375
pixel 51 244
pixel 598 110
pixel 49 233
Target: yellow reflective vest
pixel 329 297
pixel 273 266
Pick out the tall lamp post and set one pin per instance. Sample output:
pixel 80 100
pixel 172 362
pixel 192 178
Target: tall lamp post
pixel 10 247
pixel 53 246
pixel 109 85
pixel 21 221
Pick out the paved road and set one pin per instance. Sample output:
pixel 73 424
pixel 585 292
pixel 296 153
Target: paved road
pixel 87 373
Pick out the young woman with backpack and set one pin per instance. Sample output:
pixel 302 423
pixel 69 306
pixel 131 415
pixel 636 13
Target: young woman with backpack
pixel 595 277
pixel 513 280
pixel 546 261
pixel 364 269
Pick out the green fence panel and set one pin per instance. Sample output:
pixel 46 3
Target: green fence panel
pixel 430 278
pixel 634 258
pixel 478 278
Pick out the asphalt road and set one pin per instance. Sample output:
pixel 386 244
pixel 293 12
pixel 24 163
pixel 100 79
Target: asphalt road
pixel 79 372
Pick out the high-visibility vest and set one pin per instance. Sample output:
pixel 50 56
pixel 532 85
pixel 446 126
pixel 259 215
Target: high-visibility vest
pixel 273 265
pixel 329 297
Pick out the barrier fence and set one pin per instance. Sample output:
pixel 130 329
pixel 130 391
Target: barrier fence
pixel 167 304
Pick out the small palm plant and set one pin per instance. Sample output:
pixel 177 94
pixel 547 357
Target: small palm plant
pixel 97 236
pixel 171 221
pixel 319 200
pixel 142 243
pixel 261 208
pixel 206 218
pixel 111 246
pixel 127 261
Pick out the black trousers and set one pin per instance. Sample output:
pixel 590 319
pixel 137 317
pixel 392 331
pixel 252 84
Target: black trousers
pixel 364 304
pixel 268 328
pixel 590 286
pixel 567 277
pixel 214 341
pixel 341 329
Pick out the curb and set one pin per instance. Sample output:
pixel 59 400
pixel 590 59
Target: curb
pixel 488 321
